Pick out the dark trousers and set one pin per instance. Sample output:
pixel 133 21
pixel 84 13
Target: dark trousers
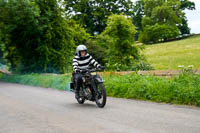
pixel 78 80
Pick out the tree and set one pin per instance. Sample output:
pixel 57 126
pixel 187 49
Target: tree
pixel 161 18
pixel 16 16
pixel 183 27
pixel 80 36
pixel 121 49
pixel 92 14
pixel 187 4
pixel 38 38
pixel 158 32
pixel 95 48
pixel 2 48
pixel 138 12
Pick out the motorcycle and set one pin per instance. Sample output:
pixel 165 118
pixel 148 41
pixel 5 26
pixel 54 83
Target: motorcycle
pixel 92 88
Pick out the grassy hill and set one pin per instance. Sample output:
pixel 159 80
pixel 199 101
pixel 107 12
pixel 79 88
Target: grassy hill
pixel 167 56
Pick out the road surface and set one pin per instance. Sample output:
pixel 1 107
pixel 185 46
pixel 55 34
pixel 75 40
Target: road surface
pixel 25 109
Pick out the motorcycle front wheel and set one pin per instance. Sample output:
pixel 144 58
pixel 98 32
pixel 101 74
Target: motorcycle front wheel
pixel 81 99
pixel 100 98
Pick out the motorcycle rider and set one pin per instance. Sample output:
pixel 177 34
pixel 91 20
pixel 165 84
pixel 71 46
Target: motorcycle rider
pixel 81 62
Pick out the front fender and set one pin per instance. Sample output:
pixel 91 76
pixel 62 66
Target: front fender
pixel 98 79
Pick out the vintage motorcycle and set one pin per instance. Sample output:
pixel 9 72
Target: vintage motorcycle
pixel 92 88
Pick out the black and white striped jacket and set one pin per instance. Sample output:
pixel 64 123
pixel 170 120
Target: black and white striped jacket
pixel 85 62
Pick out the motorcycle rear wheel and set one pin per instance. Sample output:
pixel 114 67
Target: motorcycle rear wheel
pixel 101 97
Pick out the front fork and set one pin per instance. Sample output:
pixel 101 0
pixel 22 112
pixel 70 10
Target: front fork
pixel 94 81
pixel 94 85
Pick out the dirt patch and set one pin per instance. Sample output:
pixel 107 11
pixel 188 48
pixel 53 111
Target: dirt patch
pixel 154 72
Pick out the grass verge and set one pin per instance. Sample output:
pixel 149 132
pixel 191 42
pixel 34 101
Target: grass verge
pixel 183 89
pixel 60 82
pixel 167 56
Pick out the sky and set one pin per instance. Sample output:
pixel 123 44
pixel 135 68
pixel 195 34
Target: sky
pixel 193 17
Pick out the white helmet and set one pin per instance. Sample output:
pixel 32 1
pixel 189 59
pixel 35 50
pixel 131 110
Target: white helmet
pixel 80 48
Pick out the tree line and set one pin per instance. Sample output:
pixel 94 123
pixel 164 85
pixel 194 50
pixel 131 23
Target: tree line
pixel 41 35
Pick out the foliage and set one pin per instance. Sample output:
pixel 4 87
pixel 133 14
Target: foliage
pixel 121 50
pixel 183 27
pixel 45 39
pixel 80 36
pixel 186 70
pixel 158 32
pixel 92 14
pixel 150 15
pixel 41 36
pixel 1 75
pixel 169 55
pixel 2 49
pixel 187 4
pixel 160 16
pixel 115 46
pixel 142 64
pixel 96 49
pixel 60 82
pixel 57 44
pixel 183 89
pixel 138 14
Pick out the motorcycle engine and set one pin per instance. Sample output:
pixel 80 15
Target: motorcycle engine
pixel 88 93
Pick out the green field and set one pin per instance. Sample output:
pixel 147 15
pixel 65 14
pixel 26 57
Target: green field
pixel 167 56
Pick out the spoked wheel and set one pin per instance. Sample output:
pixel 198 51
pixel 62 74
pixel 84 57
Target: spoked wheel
pixel 100 98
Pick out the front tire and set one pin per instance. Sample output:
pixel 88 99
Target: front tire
pixel 81 99
pixel 101 97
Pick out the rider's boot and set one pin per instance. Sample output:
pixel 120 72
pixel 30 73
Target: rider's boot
pixel 78 83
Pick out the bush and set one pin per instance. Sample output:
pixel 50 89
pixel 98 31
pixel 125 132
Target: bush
pixel 1 75
pixel 160 20
pixel 156 33
pixel 38 38
pixel 121 48
pixel 135 65
pixel 97 51
pixel 115 47
pixel 184 89
pixel 60 82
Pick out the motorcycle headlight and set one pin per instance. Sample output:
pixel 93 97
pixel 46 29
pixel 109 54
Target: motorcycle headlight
pixel 94 73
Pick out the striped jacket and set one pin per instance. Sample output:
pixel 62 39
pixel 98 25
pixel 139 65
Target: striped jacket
pixel 83 63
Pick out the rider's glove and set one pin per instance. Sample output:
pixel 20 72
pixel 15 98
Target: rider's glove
pixel 83 71
pixel 77 71
pixel 101 67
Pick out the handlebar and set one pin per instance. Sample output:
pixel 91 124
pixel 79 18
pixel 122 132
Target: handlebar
pixel 92 70
pixel 89 70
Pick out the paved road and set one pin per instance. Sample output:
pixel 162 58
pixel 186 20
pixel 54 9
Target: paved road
pixel 25 109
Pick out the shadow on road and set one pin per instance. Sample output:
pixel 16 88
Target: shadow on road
pixel 82 106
